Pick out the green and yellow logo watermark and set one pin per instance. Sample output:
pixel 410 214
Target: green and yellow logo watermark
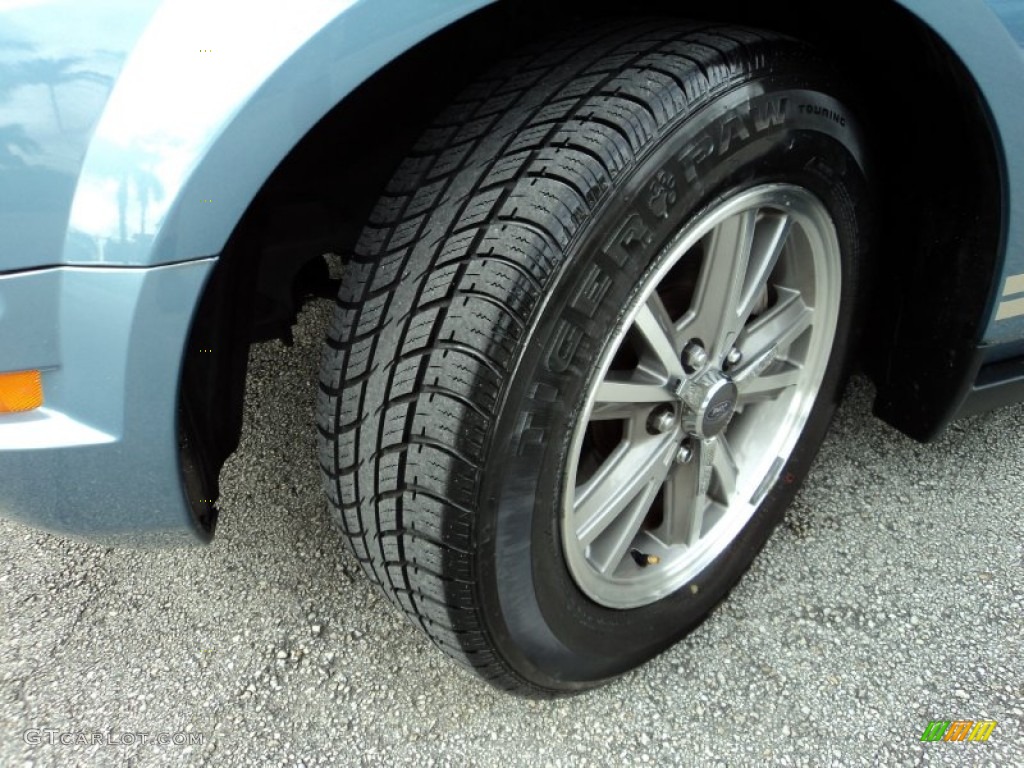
pixel 958 730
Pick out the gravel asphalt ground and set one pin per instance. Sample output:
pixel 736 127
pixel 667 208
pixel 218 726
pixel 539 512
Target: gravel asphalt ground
pixel 892 596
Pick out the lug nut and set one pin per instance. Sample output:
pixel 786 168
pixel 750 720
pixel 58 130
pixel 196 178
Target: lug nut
pixel 684 455
pixel 664 421
pixel 734 358
pixel 694 356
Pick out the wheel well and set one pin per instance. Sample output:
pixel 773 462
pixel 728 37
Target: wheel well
pixel 938 239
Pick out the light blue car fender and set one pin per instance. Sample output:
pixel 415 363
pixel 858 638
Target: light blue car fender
pixel 988 36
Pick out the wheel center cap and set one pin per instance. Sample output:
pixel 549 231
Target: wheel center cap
pixel 711 400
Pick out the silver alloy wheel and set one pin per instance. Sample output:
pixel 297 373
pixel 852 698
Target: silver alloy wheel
pixel 701 395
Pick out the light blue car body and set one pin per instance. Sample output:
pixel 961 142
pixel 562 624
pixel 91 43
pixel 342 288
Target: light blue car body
pixel 132 139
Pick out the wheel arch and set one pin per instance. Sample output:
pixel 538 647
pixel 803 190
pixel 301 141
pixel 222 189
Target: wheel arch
pixel 307 196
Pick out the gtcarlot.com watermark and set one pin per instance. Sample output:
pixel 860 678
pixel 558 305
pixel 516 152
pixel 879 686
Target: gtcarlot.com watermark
pixel 35 737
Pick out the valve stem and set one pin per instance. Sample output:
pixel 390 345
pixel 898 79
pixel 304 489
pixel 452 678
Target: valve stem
pixel 644 560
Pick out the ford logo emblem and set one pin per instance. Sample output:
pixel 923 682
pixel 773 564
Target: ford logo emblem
pixel 718 411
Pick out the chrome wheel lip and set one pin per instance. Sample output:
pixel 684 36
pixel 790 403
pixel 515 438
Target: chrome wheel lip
pixel 816 241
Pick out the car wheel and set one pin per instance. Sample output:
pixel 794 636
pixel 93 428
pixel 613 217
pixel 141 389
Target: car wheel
pixel 590 342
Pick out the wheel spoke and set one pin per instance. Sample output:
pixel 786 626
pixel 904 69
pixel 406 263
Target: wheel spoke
pixel 627 476
pixel 769 336
pixel 716 320
pixel 725 469
pixel 686 496
pixel 769 239
pixel 684 509
pixel 615 543
pixel 658 332
pixel 769 385
pixel 629 390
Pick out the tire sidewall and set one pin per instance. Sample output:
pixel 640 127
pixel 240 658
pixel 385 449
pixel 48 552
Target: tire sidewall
pixel 768 130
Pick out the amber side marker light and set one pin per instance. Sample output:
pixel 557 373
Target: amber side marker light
pixel 20 391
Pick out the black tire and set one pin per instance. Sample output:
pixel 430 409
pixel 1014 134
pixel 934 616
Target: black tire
pixel 449 385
